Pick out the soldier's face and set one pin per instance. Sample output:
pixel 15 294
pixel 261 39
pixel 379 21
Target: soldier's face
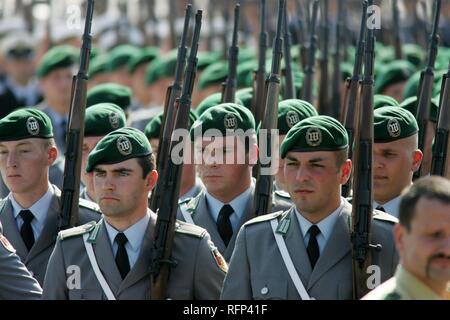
pixel 279 176
pixel 395 90
pixel 425 248
pixel 313 180
pixel 89 143
pixel 120 190
pixel 57 86
pixel 394 164
pixel 24 164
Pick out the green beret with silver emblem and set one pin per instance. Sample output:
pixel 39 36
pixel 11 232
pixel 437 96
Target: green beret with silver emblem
pixel 109 92
pixel 224 118
pixel 318 133
pixel 212 101
pixel 392 73
pixel 103 118
pixel 152 129
pixel 56 58
pixel 393 123
pixel 381 100
pixel 25 123
pixel 118 146
pixel 291 112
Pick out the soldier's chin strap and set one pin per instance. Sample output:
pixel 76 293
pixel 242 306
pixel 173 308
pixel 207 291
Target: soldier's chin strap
pixel 288 262
pixel 101 279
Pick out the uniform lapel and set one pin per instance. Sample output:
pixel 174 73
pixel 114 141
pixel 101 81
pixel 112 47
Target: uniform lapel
pixel 337 246
pixel 11 232
pixel 105 259
pixel 296 247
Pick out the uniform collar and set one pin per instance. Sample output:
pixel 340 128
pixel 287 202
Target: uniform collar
pixel 39 209
pixel 413 288
pixel 391 207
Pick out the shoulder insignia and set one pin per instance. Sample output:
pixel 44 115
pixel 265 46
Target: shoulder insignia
pixel 189 229
pixel 77 231
pixel 284 223
pixel 5 243
pixel 282 194
pixel 94 232
pixel 264 217
pixel 380 215
pixel 191 204
pixel 218 258
pixel 392 296
pixel 184 201
pixel 89 205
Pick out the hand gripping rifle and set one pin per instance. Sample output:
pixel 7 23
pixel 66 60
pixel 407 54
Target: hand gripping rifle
pixel 165 223
pixel 172 94
pixel 72 169
pixel 264 181
pixel 230 85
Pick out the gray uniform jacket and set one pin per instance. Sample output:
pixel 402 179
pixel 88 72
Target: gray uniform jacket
pixel 37 258
pixel 197 274
pixel 198 208
pixel 16 282
pixel 257 270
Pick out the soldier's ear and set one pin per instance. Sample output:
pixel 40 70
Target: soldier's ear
pixel 52 155
pixel 399 233
pixel 417 157
pixel 151 179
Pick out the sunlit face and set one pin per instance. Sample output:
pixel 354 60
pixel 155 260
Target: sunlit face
pixel 425 249
pixel 394 164
pixel 279 176
pixel 89 144
pixel 24 164
pixel 120 189
pixel 57 86
pixel 313 180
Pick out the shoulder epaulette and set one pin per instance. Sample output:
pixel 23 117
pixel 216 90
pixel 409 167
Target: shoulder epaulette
pixel 77 231
pixel 184 201
pixel 190 204
pixel 264 217
pixel 89 205
pixel 282 194
pixel 189 229
pixel 380 215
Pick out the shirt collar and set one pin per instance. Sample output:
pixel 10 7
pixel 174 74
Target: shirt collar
pixel 57 119
pixel 325 226
pixel 39 208
pixel 135 233
pixel 414 287
pixel 390 207
pixel 238 204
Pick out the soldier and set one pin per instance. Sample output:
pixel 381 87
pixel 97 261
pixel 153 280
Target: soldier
pixel 395 156
pixel 16 282
pixel 227 201
pixel 392 78
pixel 100 119
pixel 30 212
pixel 191 185
pixel 313 237
pixel 113 257
pixel 422 239
pixel 55 72
pixel 117 64
pixel 112 93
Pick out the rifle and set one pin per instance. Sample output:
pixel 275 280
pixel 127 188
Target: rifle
pixel 350 110
pixel 301 33
pixel 335 102
pixel 210 38
pixel 230 85
pixel 171 18
pixel 165 223
pixel 426 87
pixel 362 199
pixel 260 76
pixel 264 182
pixel 323 105
pixel 441 148
pixel 307 93
pixel 172 94
pixel 72 169
pixel 289 88
pixel 396 31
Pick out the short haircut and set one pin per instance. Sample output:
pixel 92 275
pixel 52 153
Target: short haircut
pixel 341 157
pixel 147 164
pixel 431 188
pixel 49 143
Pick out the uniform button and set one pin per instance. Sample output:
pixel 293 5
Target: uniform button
pixel 264 290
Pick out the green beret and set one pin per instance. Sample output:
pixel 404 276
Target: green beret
pixel 205 58
pixel 246 53
pixel 226 118
pixel 98 65
pixel 147 54
pixel 245 95
pixel 381 100
pixel 346 70
pixel 212 101
pixel 410 104
pixel 412 85
pixel 102 118
pixel 56 58
pixel 118 146
pixel 121 55
pixel 393 72
pixel 109 92
pixel 25 123
pixel 244 73
pixel 318 133
pixel 292 111
pixel 213 74
pixel 161 67
pixel 393 123
pixel 413 53
pixel 152 129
